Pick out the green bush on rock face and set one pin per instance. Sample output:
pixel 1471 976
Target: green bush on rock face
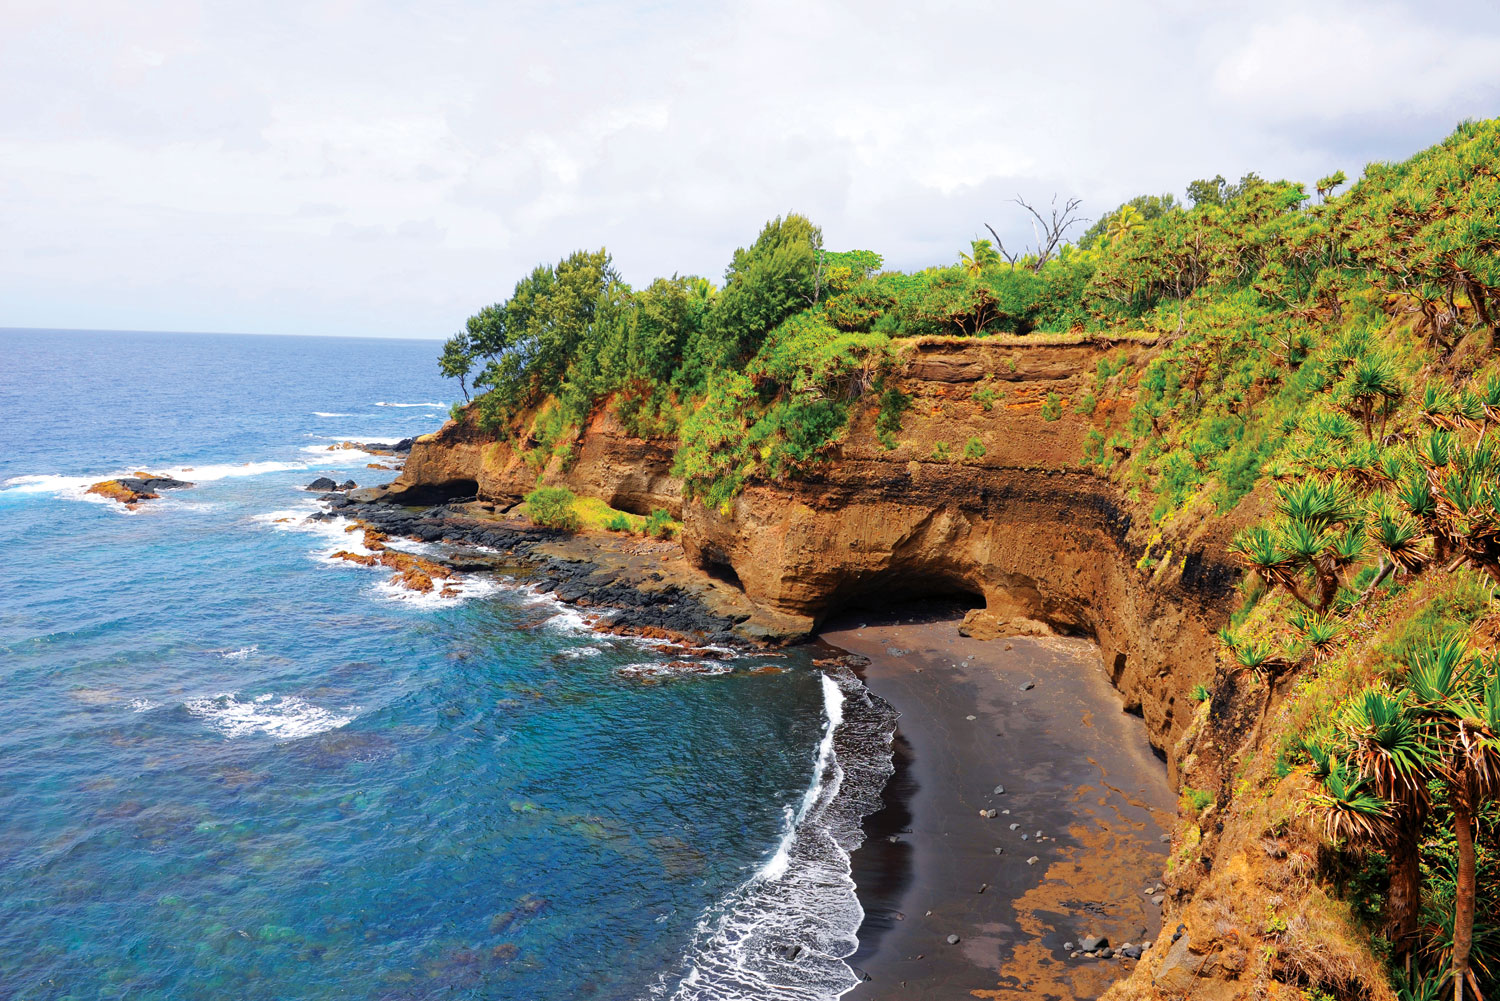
pixel 659 523
pixel 552 507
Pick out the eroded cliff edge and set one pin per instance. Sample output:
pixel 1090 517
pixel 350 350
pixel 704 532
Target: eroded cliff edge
pixel 1036 536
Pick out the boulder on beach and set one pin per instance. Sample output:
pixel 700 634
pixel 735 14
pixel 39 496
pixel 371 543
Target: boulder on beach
pixel 131 490
pixel 321 485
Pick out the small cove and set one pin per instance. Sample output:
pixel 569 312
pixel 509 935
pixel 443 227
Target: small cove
pixel 1075 768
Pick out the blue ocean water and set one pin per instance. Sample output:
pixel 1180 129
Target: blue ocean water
pixel 236 768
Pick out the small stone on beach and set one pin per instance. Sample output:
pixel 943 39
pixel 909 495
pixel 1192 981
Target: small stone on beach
pixel 999 790
pixel 971 718
pixel 1028 686
pixel 1033 860
pixel 952 939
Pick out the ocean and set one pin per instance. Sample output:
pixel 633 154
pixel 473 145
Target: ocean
pixel 234 767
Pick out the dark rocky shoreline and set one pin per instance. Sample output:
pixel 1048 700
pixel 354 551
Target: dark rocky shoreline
pixel 623 588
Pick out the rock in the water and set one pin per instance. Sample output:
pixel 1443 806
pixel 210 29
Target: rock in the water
pixel 131 490
pixel 321 485
pixel 952 939
pixel 347 485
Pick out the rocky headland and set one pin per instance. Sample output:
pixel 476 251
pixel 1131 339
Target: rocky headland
pixel 1017 526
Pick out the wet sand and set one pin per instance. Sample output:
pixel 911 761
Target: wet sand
pixel 1074 766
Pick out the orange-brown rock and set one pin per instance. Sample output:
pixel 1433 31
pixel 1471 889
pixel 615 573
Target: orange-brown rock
pixel 117 491
pixel 629 473
pixel 131 490
pixel 412 572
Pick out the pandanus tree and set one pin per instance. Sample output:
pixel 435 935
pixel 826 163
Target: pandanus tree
pixel 1386 747
pixel 1369 389
pixel 1457 702
pixel 1316 538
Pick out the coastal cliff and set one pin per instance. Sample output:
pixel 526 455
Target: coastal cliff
pixel 1037 539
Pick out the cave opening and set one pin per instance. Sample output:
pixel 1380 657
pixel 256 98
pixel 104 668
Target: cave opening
pixel 906 591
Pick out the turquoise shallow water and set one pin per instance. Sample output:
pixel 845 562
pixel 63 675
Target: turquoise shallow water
pixel 235 768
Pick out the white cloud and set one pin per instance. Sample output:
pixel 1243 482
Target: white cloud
pixel 368 167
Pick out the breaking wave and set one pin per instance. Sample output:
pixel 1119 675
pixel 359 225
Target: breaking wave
pixel 786 931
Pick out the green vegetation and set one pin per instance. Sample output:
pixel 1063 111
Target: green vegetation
pixel 1334 357
pixel 659 524
pixel 1052 407
pixel 552 507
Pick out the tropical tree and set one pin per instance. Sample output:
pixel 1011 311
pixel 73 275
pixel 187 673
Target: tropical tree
pixel 982 255
pixel 1457 702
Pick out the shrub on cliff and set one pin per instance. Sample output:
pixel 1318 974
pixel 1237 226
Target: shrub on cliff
pixel 659 523
pixel 552 507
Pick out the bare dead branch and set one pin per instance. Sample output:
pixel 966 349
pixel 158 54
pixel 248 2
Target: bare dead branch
pixel 1000 246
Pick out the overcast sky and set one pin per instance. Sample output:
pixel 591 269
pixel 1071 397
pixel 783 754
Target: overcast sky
pixel 370 168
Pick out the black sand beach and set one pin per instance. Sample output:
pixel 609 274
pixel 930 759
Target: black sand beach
pixel 1084 795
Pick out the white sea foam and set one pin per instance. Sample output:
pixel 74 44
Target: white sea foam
pixel 659 671
pixel 569 620
pixel 285 717
pixel 439 406
pixel 141 705
pixel 76 487
pixel 786 931
pixel 240 654
pixel 581 651
pixel 324 413
pixel 336 538
pixel 467 586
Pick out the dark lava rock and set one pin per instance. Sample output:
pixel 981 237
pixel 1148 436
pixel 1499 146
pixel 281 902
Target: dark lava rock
pixel 322 485
pixel 1106 953
pixel 149 485
pixel 347 485
pixel 1131 952
pixel 1089 943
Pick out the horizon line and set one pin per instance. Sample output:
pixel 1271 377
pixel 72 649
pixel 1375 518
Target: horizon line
pixel 216 333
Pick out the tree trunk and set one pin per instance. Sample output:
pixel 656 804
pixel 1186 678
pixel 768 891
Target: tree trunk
pixel 1403 904
pixel 1463 896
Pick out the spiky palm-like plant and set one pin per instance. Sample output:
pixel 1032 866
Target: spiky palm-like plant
pixel 1350 811
pixel 1389 749
pixel 1398 539
pixel 1456 698
pixel 1371 387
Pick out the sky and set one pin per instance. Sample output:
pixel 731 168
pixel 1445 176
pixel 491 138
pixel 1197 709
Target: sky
pixel 366 168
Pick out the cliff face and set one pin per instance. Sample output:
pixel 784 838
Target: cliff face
pixel 986 494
